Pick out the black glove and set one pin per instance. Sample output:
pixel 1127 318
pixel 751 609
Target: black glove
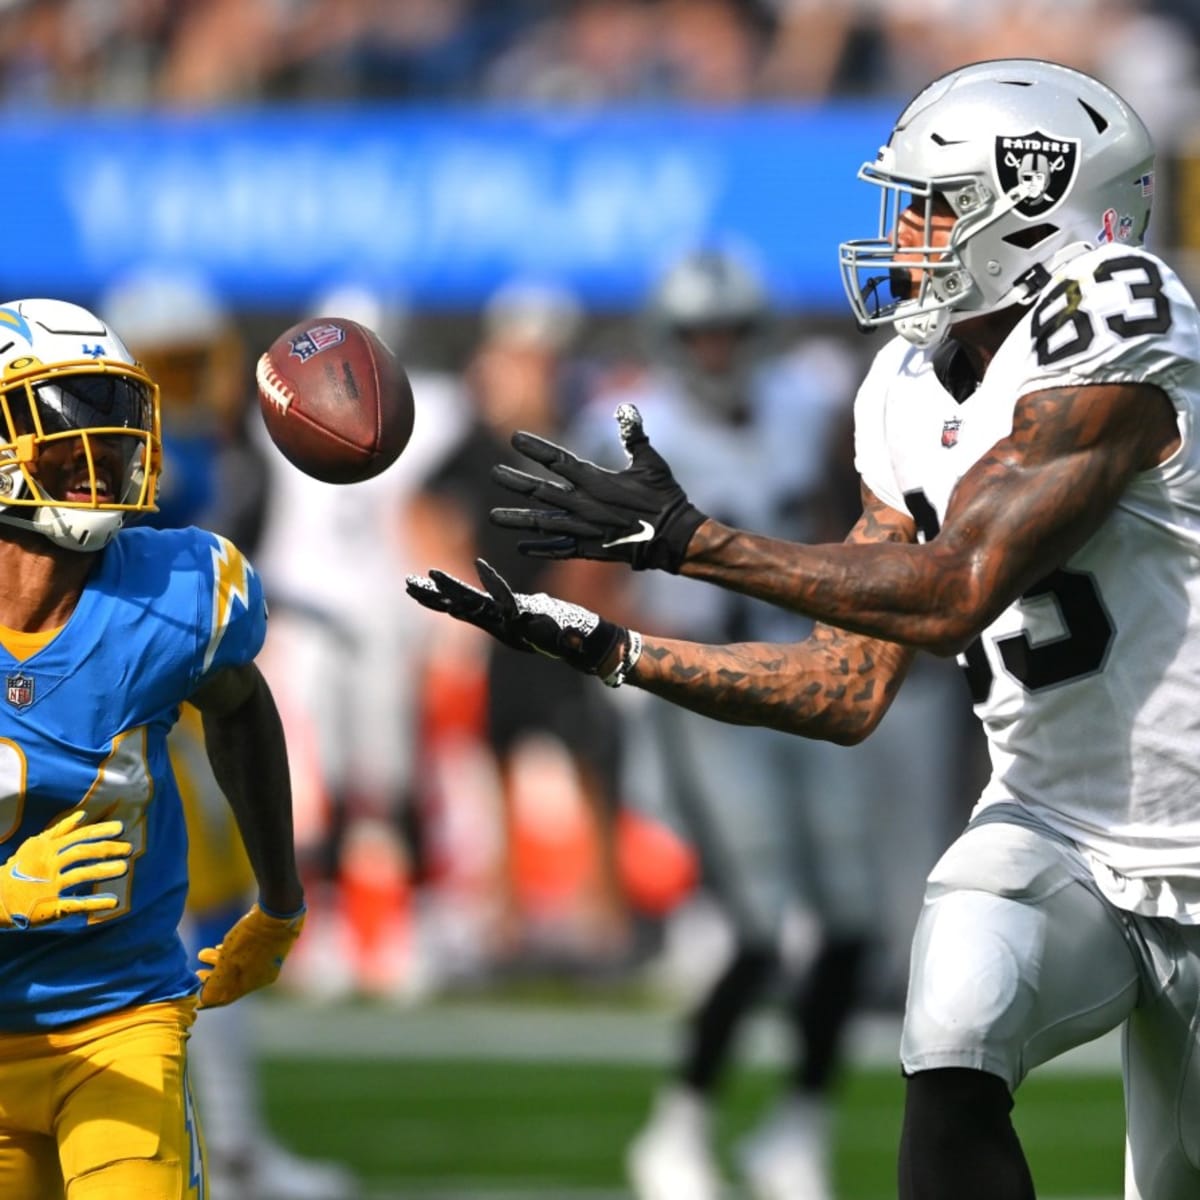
pixel 639 515
pixel 541 623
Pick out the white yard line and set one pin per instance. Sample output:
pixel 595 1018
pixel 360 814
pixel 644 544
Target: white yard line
pixel 288 1027
pixel 408 1191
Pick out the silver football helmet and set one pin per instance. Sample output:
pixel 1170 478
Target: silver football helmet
pixel 80 437
pixel 1038 162
pixel 709 291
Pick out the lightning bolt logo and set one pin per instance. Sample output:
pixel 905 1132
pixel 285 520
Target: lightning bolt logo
pixel 196 1182
pixel 231 582
pixel 11 319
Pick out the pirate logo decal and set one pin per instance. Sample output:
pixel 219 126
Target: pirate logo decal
pixel 1041 165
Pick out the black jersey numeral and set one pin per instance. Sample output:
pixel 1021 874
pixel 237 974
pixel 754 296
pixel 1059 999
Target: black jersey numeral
pixel 1081 651
pixel 1159 321
pixel 1061 309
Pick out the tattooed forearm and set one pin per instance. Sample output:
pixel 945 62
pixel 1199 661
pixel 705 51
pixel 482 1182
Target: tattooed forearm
pixel 1024 507
pixel 878 582
pixel 835 686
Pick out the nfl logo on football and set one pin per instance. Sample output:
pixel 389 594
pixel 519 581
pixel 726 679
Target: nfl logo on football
pixel 18 690
pixel 315 339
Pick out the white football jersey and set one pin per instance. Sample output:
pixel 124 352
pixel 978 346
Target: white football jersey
pixel 1089 685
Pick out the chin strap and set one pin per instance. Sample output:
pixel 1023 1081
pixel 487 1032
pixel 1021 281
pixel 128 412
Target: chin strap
pixel 924 329
pixel 72 529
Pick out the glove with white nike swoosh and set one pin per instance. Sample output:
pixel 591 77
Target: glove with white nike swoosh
pixel 43 867
pixel 249 957
pixel 581 638
pixel 639 515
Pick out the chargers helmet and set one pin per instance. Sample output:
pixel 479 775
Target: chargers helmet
pixel 1038 162
pixel 70 391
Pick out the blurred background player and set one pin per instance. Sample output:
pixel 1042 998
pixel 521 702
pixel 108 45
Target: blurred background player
pixel 179 329
pixel 213 474
pixel 347 662
pixel 553 742
pixel 758 430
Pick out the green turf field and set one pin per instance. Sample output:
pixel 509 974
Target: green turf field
pixel 480 1129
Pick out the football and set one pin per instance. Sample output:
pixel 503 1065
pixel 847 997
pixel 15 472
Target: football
pixel 335 400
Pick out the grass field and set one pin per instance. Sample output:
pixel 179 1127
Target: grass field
pixel 461 1129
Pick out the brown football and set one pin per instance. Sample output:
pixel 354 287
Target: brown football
pixel 336 401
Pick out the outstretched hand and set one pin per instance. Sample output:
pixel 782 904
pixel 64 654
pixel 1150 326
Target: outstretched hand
pixel 541 623
pixel 494 611
pixel 639 515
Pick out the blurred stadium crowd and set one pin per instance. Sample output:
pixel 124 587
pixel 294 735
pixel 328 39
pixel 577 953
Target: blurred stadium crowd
pixel 191 53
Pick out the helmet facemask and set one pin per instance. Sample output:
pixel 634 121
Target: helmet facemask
pixel 81 448
pixel 912 287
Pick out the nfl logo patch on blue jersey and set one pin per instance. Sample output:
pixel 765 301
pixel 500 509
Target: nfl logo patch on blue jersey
pixel 18 689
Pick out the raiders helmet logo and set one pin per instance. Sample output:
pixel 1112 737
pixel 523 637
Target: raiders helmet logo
pixel 1044 166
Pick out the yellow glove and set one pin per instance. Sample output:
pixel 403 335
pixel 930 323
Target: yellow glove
pixel 250 957
pixel 44 866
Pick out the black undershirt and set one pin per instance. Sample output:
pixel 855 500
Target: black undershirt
pixel 954 371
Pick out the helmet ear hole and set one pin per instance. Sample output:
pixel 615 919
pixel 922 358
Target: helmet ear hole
pixel 1035 235
pixel 1100 122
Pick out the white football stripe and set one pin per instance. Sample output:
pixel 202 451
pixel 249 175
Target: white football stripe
pixel 271 385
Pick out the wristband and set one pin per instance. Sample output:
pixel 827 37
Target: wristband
pixel 278 916
pixel 631 652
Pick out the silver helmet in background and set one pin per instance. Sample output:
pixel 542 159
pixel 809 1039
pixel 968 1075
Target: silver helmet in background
pixel 707 320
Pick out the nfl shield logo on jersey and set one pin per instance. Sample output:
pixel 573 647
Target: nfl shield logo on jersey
pixel 315 339
pixel 1043 165
pixel 18 689
pixel 950 431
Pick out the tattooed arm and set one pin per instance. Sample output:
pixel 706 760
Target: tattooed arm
pixel 835 685
pixel 1021 510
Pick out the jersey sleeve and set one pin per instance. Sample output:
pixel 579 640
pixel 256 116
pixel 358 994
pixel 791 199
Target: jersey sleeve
pixel 871 458
pixel 1113 315
pixel 231 609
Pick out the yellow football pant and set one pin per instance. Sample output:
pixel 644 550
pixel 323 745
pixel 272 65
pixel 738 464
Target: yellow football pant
pixel 101 1111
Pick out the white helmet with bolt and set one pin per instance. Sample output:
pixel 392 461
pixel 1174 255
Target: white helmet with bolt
pixel 66 379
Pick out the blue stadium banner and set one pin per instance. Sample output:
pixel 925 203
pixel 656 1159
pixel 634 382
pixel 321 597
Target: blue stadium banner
pixel 438 206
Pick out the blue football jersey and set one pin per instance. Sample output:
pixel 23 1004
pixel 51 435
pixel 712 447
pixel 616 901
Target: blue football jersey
pixel 85 721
